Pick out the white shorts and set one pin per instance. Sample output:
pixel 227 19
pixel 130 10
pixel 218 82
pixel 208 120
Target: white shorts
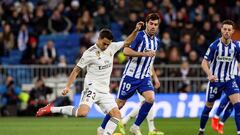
pixel 105 101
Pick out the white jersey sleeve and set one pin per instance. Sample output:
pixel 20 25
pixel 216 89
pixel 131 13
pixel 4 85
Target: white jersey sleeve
pixel 116 46
pixel 84 60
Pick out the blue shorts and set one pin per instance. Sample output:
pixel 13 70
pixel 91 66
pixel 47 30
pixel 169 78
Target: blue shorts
pixel 215 89
pixel 130 85
pixel 237 78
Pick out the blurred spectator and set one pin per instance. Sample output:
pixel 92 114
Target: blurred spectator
pixel 58 23
pixel 85 23
pixel 101 18
pixel 199 17
pixel 174 56
pixel 61 8
pixel 193 58
pixel 62 61
pixel 30 54
pixel 185 50
pixel 236 10
pixel 201 46
pixel 22 37
pixel 161 57
pixel 39 20
pixel 166 41
pixel 7 39
pixel 11 94
pixel 129 25
pixel 169 15
pixel 186 39
pixel 120 11
pixel 188 29
pixel 25 10
pixel 75 12
pixel 52 4
pixel 49 53
pixel 174 31
pixel 15 21
pixel 135 5
pixel 184 86
pixel 86 39
pixel 38 96
pixel 209 33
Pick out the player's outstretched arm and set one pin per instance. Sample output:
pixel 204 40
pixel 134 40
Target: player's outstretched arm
pixel 71 78
pixel 132 53
pixel 128 41
pixel 205 67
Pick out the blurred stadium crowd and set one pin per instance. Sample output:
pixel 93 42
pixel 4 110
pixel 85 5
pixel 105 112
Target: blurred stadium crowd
pixel 35 31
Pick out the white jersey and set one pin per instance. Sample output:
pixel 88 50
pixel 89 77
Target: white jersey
pixel 99 65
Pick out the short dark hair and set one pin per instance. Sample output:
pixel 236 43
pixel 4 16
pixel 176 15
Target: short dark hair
pixel 106 33
pixel 152 16
pixel 229 22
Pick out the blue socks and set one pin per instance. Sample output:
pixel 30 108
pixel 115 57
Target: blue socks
pixel 222 105
pixel 143 112
pixel 105 121
pixel 237 115
pixel 204 117
pixel 227 112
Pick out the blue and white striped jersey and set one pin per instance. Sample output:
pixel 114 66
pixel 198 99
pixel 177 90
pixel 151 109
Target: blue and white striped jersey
pixel 140 67
pixel 223 59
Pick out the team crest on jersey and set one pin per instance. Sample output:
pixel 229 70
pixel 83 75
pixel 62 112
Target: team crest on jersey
pixel 98 54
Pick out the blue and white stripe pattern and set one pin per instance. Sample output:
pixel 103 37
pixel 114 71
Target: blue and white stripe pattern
pixel 223 59
pixel 139 67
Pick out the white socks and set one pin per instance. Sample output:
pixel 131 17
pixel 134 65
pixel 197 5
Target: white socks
pixel 111 126
pixel 132 114
pixel 68 110
pixel 150 120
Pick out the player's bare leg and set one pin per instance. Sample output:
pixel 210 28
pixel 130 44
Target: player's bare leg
pixel 82 111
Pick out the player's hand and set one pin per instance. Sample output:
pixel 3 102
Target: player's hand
pixel 212 78
pixel 139 25
pixel 149 53
pixel 65 91
pixel 157 83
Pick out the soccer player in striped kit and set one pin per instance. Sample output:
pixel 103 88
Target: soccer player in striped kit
pixel 226 107
pixel 136 76
pixel 219 63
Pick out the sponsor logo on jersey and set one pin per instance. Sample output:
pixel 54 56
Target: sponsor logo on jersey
pixel 224 58
pixel 105 66
pixel 98 54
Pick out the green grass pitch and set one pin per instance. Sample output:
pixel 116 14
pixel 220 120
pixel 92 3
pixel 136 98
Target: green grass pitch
pixel 85 126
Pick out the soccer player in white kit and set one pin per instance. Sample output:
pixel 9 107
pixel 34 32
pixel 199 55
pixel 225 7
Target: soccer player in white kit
pixel 98 60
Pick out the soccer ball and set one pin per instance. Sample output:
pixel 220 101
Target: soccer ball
pixel 117 134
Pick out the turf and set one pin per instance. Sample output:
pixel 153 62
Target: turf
pixel 83 126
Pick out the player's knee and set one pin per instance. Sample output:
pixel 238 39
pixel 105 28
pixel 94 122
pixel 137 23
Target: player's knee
pixel 120 103
pixel 115 113
pixel 150 99
pixel 82 113
pixel 209 104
